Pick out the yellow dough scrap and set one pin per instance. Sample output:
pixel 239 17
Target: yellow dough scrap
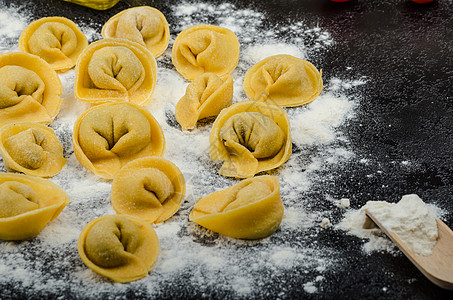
pixel 205 97
pixel 122 248
pixel 284 80
pixel 250 209
pixel 144 25
pixel 115 70
pixel 250 137
pixel 205 48
pixel 29 89
pixel 31 148
pixel 108 136
pixel 57 40
pixel 27 204
pixel 151 188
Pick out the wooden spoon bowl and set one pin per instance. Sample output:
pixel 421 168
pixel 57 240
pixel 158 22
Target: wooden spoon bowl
pixel 437 267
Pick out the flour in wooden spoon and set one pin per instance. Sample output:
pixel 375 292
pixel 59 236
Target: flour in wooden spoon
pixel 410 219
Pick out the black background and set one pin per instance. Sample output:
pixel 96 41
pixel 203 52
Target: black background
pixel 405 50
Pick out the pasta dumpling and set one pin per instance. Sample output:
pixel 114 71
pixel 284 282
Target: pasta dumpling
pixel 31 148
pixel 115 70
pixel 108 136
pixel 29 89
pixel 144 25
pixel 250 209
pixel 57 40
pixel 284 80
pixel 151 188
pixel 205 48
pixel 16 198
pixel 122 248
pixel 205 97
pixel 250 137
pixel 27 204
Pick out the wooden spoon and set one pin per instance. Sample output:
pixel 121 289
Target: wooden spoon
pixel 437 267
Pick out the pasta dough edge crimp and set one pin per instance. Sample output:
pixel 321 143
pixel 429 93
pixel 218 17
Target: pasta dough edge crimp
pixel 85 90
pixel 42 111
pixel 199 64
pixel 114 20
pixel 249 209
pixel 107 169
pixel 138 264
pixel 52 200
pixel 143 203
pixel 52 152
pixel 284 80
pixel 63 64
pixel 242 163
pixel 205 97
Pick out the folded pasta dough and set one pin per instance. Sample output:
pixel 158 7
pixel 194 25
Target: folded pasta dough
pixel 151 188
pixel 250 209
pixel 108 136
pixel 16 198
pixel 122 248
pixel 115 70
pixel 250 137
pixel 27 204
pixel 29 89
pixel 144 25
pixel 205 48
pixel 31 148
pixel 57 40
pixel 205 97
pixel 284 80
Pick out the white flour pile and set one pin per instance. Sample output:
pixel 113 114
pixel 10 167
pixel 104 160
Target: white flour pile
pixel 191 257
pixel 410 219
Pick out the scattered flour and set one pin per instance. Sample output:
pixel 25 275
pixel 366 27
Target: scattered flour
pixel 318 124
pixel 345 203
pixel 257 53
pixel 193 258
pixel 11 25
pixel 325 223
pixel 354 222
pixel 310 287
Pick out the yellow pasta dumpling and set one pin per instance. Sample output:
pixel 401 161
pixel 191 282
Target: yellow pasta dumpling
pixel 205 97
pixel 205 48
pixel 57 40
pixel 27 204
pixel 31 148
pixel 122 248
pixel 250 209
pixel 151 188
pixel 115 70
pixel 144 25
pixel 250 137
pixel 108 136
pixel 29 89
pixel 284 80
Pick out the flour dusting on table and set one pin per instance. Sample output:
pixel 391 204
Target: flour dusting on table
pixel 193 257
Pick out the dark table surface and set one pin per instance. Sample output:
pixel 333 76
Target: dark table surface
pixel 405 51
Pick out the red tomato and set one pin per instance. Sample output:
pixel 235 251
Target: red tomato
pixel 422 1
